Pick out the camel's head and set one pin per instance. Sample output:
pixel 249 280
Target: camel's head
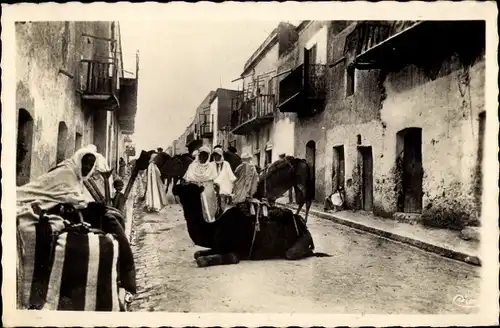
pixel 187 192
pixel 190 198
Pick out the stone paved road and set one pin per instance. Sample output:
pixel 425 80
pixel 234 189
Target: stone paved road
pixel 366 274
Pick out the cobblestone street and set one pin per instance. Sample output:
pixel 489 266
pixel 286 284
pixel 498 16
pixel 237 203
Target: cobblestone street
pixel 366 274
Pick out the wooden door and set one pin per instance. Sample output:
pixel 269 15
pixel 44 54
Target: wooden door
pixel 338 174
pixel 366 177
pixel 311 160
pixel 412 171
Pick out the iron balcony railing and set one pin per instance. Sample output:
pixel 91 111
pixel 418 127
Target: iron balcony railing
pixel 306 80
pixel 253 109
pixel 206 125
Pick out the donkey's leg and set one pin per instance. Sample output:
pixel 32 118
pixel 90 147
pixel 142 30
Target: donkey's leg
pixel 308 206
pixel 299 198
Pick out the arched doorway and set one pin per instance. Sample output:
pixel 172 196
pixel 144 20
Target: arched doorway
pixel 311 160
pixel 62 138
pixel 24 146
pixel 410 170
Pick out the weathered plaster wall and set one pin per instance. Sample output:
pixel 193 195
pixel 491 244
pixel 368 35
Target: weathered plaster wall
pixel 42 49
pixel 447 109
pixel 444 101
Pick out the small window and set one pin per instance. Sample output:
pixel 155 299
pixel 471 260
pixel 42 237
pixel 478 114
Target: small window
pixel 349 82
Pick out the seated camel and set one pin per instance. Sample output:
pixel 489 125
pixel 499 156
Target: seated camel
pixel 237 234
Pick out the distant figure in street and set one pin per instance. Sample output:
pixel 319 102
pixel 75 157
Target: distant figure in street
pixel 212 155
pixel 121 167
pixel 159 150
pixel 203 172
pixel 247 178
pixel 232 150
pixel 156 198
pixel 119 197
pixel 225 179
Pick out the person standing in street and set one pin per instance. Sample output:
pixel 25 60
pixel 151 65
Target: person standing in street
pixel 203 172
pixel 156 198
pixel 225 179
pixel 121 168
pixel 247 178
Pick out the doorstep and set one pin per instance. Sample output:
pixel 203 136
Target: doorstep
pixel 443 242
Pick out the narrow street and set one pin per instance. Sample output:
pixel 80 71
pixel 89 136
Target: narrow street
pixel 366 274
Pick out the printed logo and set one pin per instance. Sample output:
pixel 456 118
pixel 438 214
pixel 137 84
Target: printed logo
pixel 464 301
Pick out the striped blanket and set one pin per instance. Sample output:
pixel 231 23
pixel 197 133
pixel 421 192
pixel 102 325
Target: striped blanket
pixel 69 270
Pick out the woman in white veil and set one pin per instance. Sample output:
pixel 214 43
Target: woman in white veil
pixel 203 172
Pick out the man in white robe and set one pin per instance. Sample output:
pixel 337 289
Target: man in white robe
pixel 225 179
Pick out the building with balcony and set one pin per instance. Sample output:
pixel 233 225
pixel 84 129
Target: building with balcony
pixel 403 121
pixel 254 112
pixel 211 123
pixel 302 89
pixel 72 90
pixel 200 131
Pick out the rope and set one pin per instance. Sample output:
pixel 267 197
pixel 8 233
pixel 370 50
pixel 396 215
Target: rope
pixel 256 228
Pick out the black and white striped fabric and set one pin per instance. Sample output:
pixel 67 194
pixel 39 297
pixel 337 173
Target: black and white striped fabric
pixel 84 273
pixel 73 270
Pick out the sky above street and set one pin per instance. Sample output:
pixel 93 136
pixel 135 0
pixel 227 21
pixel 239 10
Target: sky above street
pixel 180 63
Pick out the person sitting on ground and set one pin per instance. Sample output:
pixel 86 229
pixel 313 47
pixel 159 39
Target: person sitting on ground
pixel 63 184
pixel 247 178
pixel 203 172
pixel 335 201
pixel 224 181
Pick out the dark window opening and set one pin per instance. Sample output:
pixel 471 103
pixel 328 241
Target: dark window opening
pixel 349 82
pixel 269 157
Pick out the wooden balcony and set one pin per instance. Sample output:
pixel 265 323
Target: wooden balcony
pixel 303 91
pixel 380 45
pixel 99 84
pixel 252 113
pixel 206 126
